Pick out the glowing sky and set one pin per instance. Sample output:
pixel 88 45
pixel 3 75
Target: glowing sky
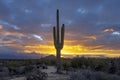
pixel 92 27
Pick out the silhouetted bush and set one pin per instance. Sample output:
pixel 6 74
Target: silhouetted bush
pixel 93 63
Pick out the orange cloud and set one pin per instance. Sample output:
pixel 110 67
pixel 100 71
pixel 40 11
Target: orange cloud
pixel 108 30
pixel 1 27
pixel 7 42
pixel 90 37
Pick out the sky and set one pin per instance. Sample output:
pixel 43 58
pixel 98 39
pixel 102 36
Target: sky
pixel 92 27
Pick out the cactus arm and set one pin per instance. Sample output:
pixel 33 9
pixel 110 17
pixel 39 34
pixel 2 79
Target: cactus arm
pixel 57 18
pixel 62 35
pixel 54 37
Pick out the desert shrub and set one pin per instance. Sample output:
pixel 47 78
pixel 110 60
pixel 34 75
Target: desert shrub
pixel 36 74
pixel 90 75
pixel 66 63
pixel 77 62
pixel 29 68
pixel 94 63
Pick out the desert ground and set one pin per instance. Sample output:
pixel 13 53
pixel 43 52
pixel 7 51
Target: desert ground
pixel 52 75
pixel 78 68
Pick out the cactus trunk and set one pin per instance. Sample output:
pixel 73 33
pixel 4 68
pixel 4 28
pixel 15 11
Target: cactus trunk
pixel 58 60
pixel 58 41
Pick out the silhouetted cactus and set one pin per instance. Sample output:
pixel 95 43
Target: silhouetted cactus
pixel 58 41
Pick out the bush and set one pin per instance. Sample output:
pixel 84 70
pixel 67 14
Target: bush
pixel 94 63
pixel 90 75
pixel 66 64
pixel 36 74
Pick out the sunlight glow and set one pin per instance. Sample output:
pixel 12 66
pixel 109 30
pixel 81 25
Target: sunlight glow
pixel 70 51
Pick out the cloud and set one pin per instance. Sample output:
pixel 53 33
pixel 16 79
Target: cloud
pixel 1 27
pixel 108 30
pixel 116 33
pixel 38 37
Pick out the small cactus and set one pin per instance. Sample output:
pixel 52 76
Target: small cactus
pixel 58 41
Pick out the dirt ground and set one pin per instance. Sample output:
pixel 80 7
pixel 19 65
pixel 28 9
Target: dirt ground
pixel 51 74
pixel 19 78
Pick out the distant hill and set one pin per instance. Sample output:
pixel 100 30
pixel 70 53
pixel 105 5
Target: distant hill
pixel 50 57
pixel 20 56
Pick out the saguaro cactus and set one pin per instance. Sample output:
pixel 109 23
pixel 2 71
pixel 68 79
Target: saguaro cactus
pixel 58 41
